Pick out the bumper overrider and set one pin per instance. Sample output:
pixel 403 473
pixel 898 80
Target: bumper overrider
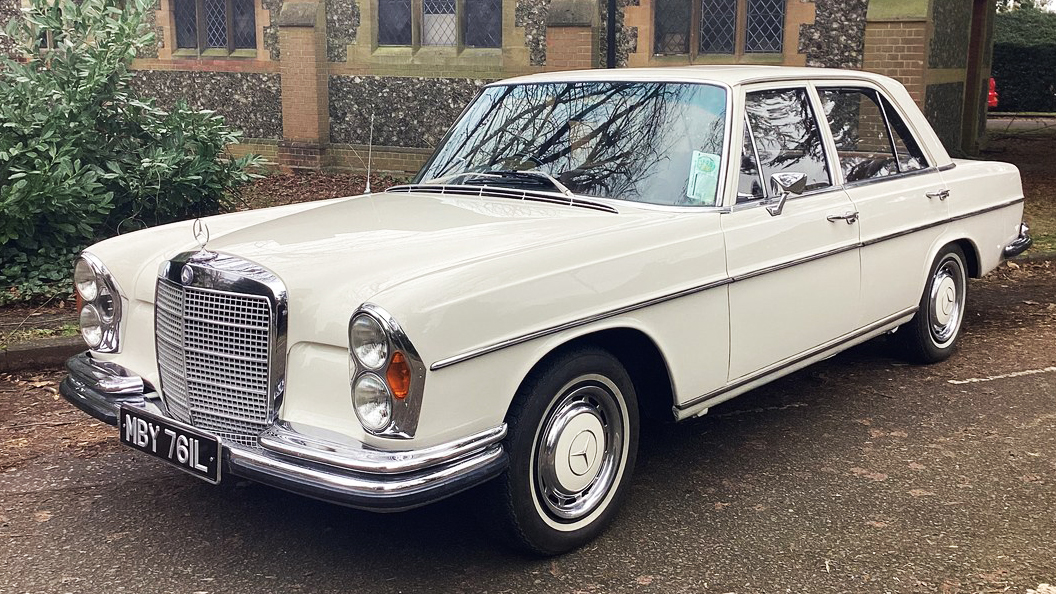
pixel 343 472
pixel 1020 243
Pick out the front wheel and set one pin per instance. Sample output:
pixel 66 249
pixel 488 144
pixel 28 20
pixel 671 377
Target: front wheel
pixel 572 442
pixel 931 335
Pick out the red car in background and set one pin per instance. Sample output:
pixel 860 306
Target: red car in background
pixel 991 96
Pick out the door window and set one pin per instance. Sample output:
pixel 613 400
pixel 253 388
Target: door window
pixel 787 138
pixel 872 141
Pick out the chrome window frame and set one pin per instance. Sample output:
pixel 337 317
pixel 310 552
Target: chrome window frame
pixel 881 96
pixel 835 175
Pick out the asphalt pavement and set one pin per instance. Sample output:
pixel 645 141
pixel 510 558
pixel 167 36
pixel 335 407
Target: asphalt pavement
pixel 859 474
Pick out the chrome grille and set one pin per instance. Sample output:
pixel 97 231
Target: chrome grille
pixel 214 358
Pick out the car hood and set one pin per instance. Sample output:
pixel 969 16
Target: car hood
pixel 338 254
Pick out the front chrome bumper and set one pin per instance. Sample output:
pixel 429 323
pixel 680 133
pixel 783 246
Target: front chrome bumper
pixel 1020 243
pixel 333 468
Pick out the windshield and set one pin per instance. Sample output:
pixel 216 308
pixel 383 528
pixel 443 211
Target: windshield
pixel 652 142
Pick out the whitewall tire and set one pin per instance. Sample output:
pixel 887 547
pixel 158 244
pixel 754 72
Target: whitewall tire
pixel 572 442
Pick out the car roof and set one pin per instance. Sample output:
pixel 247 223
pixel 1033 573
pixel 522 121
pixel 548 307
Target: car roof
pixel 727 74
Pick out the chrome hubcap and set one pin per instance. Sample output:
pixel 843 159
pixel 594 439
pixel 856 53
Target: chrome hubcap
pixel 579 449
pixel 947 296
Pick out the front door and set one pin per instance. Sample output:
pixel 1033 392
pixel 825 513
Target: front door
pixel 796 275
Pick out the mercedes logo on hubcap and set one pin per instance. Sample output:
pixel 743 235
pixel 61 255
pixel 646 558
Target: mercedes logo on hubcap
pixel 582 453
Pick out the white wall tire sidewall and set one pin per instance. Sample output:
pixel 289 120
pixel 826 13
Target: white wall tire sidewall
pixel 596 513
pixel 962 293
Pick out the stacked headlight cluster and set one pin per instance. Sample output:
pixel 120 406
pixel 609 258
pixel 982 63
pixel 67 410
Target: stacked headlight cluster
pixel 386 374
pixel 100 304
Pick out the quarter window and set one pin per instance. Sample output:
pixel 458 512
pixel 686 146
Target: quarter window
pixel 730 27
pixel 872 142
pixel 786 139
pixel 438 23
pixel 224 25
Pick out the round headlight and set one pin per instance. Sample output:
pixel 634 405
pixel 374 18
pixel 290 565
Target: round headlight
pixel 373 402
pixel 91 326
pixel 369 342
pixel 85 281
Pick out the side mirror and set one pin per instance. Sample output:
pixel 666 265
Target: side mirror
pixel 785 184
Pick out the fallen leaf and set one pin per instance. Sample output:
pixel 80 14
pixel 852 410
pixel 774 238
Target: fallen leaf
pixel 877 524
pixel 876 476
pixel 915 466
pixel 42 516
pixel 721 505
pixel 644 580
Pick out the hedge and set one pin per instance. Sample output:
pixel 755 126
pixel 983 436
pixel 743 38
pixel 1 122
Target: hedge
pixel 1025 76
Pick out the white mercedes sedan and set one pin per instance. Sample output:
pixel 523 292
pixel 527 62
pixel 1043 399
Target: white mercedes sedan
pixel 584 249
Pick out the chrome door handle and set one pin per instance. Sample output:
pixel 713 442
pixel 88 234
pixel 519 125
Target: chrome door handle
pixel 849 216
pixel 941 194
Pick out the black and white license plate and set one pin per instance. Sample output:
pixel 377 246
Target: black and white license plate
pixel 183 446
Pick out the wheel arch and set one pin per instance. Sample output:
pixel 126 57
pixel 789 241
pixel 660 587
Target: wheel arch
pixel 640 356
pixel 971 256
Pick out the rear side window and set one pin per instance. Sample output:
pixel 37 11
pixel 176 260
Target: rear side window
pixel 910 157
pixel 872 141
pixel 787 139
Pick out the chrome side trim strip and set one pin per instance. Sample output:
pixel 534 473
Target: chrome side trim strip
pixel 442 363
pixel 796 262
pixel 781 365
pixel 472 354
pixel 283 439
pixel 960 217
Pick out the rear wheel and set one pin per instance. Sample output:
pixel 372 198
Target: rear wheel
pixel 572 442
pixel 932 334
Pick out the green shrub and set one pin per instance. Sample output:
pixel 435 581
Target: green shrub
pixel 81 157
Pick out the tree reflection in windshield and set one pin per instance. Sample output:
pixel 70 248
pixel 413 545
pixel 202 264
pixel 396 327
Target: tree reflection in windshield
pixel 651 142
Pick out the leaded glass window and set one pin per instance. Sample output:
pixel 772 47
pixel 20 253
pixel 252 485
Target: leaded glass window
pixel 436 23
pixel 671 27
pixel 718 26
pixel 724 27
pixel 483 20
pixel 186 24
pixel 215 24
pixel 765 31
pixel 394 22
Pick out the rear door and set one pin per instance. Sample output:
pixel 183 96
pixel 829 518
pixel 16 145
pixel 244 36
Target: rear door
pixel 795 274
pixel 899 195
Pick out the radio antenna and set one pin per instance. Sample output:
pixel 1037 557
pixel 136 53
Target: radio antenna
pixel 370 150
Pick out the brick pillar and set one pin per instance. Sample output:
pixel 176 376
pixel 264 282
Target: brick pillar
pixel 895 48
pixel 305 101
pixel 572 35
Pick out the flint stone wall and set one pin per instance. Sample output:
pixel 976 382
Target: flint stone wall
pixel 249 101
pixel 409 112
pixel 837 37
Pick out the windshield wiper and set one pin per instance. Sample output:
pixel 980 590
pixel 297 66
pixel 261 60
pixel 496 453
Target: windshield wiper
pixel 507 173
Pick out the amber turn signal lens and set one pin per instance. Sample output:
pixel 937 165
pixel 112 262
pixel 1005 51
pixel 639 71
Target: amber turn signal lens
pixel 399 376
